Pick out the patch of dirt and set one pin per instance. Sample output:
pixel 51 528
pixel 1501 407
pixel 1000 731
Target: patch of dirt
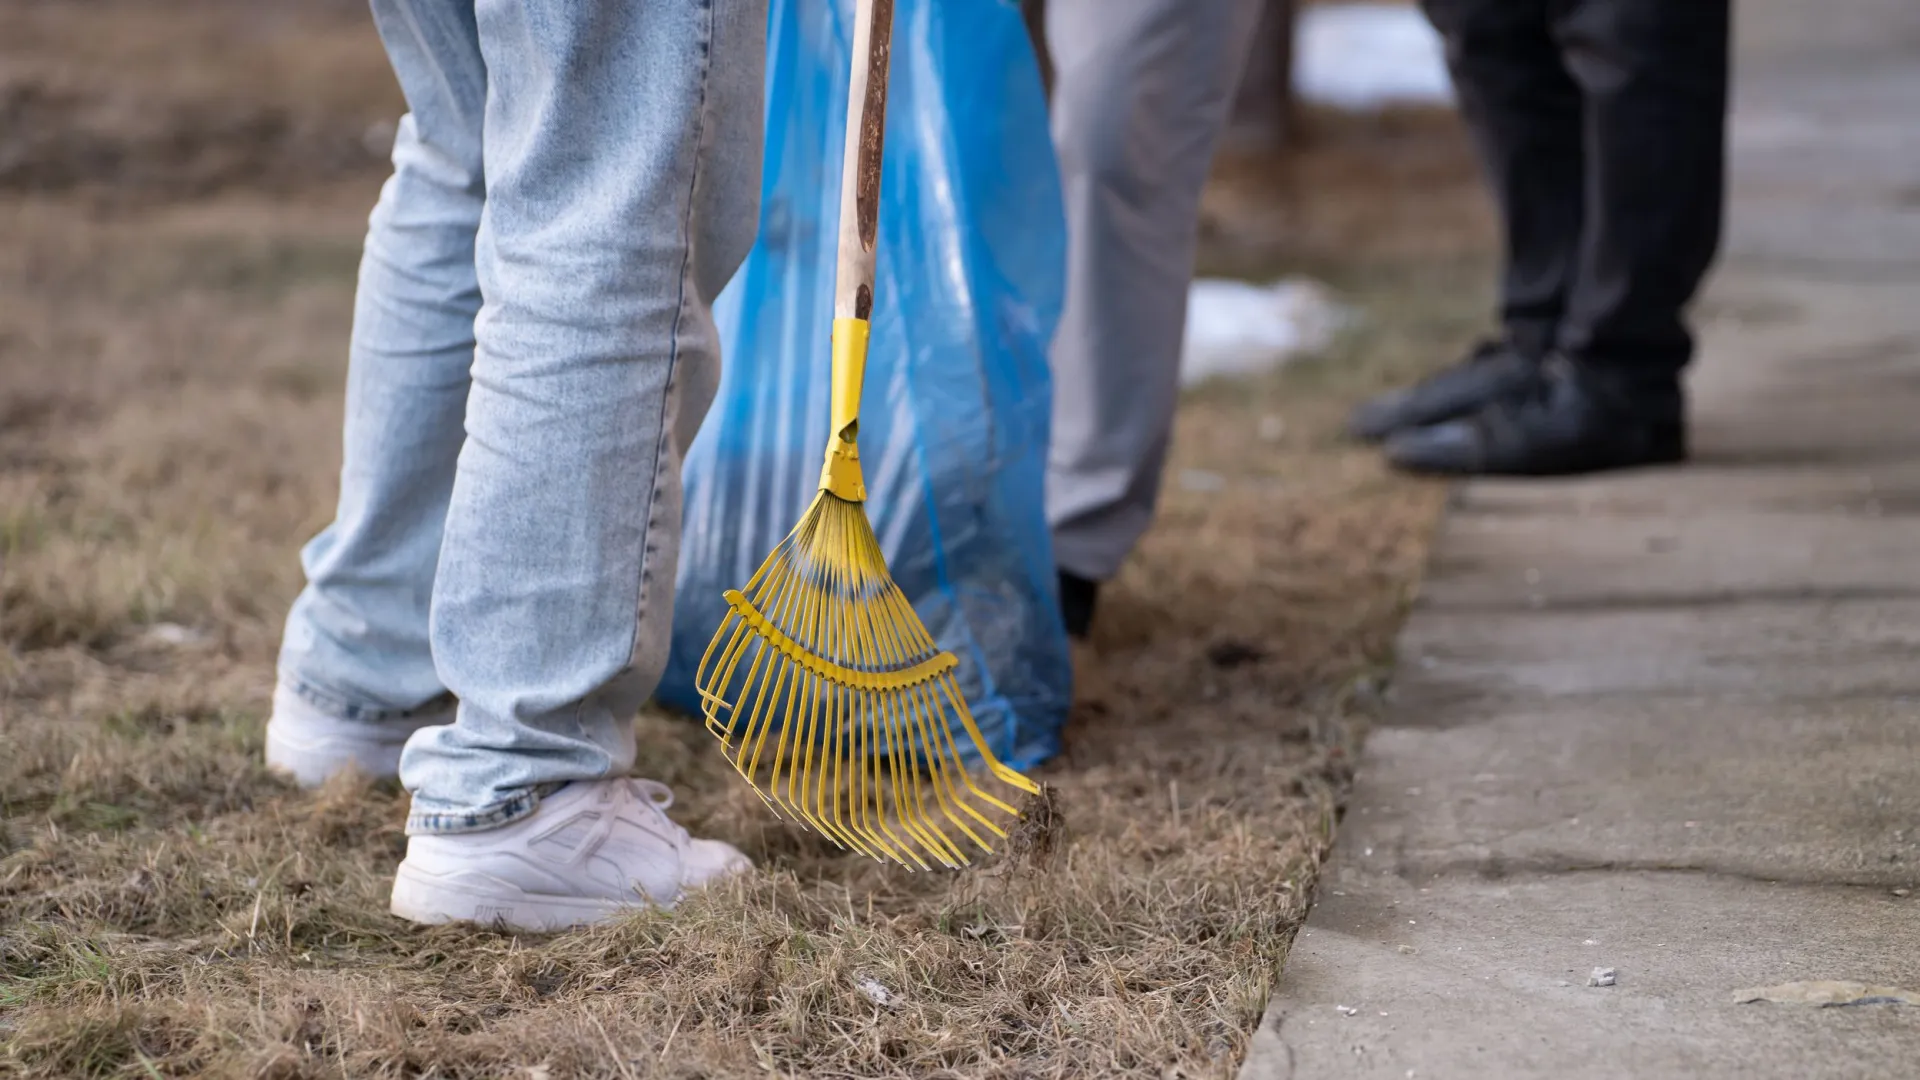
pixel 170 388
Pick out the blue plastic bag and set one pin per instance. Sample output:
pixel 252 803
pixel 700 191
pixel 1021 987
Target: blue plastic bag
pixel 953 422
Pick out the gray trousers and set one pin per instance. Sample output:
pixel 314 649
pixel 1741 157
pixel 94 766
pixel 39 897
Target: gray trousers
pixel 1142 91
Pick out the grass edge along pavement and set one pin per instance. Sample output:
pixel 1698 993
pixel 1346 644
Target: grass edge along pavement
pixel 173 376
pixel 169 908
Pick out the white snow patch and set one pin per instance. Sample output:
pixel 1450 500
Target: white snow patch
pixel 1239 328
pixel 1366 55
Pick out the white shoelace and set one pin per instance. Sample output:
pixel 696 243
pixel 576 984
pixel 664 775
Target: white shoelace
pixel 658 797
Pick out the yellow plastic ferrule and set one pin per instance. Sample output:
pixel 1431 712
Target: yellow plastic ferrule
pixel 849 371
pixel 841 472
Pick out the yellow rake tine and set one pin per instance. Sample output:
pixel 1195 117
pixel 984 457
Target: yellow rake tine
pixel 951 800
pixel 802 780
pixel 831 831
pixel 937 707
pixel 957 806
pixel 839 738
pixel 780 745
pixel 859 798
pixel 791 587
pixel 755 736
pixel 785 581
pixel 905 723
pixel 810 628
pixel 884 642
pixel 870 708
pixel 867 776
pixel 919 696
pixel 832 786
pixel 952 694
pixel 884 731
pixel 876 742
pixel 854 746
pixel 732 619
pixel 733 661
pixel 915 814
pixel 913 731
pixel 713 703
pixel 846 717
pixel 822 707
pixel 895 714
pixel 800 742
pixel 828 787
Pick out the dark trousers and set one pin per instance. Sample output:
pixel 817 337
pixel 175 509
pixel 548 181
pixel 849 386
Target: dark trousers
pixel 1602 127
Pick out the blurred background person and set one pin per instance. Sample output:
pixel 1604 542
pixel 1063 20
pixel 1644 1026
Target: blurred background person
pixel 1142 90
pixel 1601 125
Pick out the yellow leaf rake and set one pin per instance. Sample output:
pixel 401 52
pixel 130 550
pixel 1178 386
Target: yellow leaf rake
pixel 822 684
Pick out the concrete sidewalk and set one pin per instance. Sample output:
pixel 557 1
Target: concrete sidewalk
pixel 1669 723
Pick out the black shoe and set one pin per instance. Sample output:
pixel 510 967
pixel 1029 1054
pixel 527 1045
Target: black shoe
pixel 1494 369
pixel 1568 421
pixel 1077 596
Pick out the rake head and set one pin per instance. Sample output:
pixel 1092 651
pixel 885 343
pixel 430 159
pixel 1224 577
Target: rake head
pixel 832 700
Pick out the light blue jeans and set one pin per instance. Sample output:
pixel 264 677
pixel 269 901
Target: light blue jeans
pixel 532 352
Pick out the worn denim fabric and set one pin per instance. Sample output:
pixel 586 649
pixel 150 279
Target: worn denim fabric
pixel 532 352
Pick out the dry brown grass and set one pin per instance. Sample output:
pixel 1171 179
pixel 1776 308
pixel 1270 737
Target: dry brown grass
pixel 118 98
pixel 1399 185
pixel 169 404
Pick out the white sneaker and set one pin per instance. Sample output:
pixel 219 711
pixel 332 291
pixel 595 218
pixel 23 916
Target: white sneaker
pixel 310 746
pixel 589 850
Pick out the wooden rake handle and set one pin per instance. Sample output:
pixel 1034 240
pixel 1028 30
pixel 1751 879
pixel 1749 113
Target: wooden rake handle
pixel 859 236
pixel 860 174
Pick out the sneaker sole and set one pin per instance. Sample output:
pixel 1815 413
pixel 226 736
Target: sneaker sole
pixel 426 898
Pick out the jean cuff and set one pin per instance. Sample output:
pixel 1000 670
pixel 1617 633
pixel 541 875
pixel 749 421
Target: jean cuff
pixel 427 821
pixel 341 709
